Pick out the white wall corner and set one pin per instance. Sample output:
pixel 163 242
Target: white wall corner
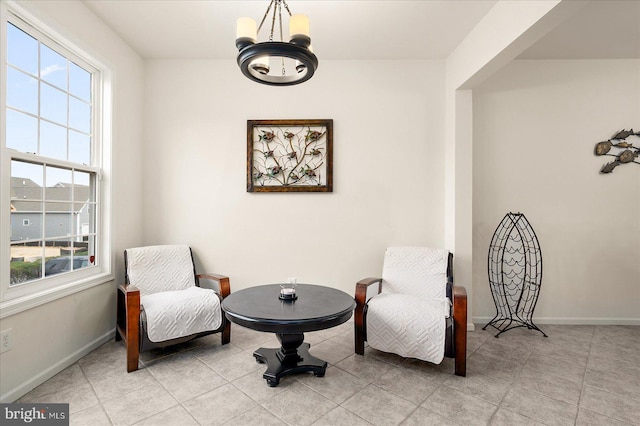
pixel 507 30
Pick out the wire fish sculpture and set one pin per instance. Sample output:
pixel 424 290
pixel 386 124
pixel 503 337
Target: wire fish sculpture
pixel 625 152
pixel 515 274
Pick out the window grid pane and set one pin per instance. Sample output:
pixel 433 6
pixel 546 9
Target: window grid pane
pixel 22 50
pixel 53 140
pixel 53 67
pixel 22 131
pixel 54 104
pixel 79 82
pixel 22 91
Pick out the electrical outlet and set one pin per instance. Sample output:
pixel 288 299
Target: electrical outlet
pixel 5 340
pixel 292 280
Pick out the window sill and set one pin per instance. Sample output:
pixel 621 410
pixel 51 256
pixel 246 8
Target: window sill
pixel 24 303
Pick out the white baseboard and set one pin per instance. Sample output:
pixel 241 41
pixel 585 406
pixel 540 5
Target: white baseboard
pixel 471 326
pixel 45 375
pixel 572 321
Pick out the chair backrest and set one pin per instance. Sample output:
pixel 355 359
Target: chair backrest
pixel 416 271
pixel 159 268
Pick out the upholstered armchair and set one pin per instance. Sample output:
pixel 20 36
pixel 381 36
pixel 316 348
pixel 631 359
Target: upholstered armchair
pixel 415 310
pixel 161 302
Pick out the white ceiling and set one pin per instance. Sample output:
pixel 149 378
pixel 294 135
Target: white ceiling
pixel 361 29
pixel 601 30
pixel 376 29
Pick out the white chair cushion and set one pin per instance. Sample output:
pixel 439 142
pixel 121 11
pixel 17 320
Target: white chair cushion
pixel 406 325
pixel 179 313
pixel 417 271
pixel 160 268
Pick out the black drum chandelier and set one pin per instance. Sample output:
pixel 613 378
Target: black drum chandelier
pixel 276 63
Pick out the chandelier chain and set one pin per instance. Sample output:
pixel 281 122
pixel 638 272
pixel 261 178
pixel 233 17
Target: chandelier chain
pixel 286 7
pixel 273 21
pixel 265 15
pixel 277 10
pixel 284 71
pixel 280 19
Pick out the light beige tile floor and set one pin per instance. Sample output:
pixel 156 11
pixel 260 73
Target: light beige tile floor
pixel 579 375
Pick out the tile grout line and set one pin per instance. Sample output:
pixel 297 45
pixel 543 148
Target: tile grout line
pixel 106 413
pixel 602 389
pixel 352 396
pixel 338 405
pixel 584 375
pixel 181 403
pixel 499 405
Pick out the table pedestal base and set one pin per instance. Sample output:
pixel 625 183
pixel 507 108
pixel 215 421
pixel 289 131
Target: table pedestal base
pixel 292 357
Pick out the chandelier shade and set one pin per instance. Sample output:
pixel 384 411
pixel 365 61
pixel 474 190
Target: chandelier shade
pixel 294 60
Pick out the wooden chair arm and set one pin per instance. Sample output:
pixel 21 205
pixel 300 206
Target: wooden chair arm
pixel 460 329
pixel 222 280
pixel 128 288
pixel 361 289
pixel 358 315
pixel 459 302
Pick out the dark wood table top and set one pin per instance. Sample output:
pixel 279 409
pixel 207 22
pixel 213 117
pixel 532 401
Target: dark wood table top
pixel 316 308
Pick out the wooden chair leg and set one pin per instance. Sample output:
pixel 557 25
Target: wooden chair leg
pixel 121 313
pixel 461 359
pixel 226 331
pixel 359 339
pixel 359 332
pixel 133 355
pixel 460 329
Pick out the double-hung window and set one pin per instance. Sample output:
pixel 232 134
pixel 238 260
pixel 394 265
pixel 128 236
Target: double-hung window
pixel 51 163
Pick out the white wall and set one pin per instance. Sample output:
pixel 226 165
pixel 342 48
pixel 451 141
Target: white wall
pixel 535 127
pixel 50 337
pixel 388 169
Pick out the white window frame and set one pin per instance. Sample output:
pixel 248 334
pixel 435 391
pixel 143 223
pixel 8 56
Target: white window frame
pixel 18 298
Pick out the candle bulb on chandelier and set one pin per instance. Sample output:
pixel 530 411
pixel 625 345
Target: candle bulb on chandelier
pixel 246 32
pixel 299 29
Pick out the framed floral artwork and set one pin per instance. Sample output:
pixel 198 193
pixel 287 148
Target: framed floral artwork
pixel 289 155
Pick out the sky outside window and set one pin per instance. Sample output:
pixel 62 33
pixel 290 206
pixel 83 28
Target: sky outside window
pixel 53 67
pixel 53 140
pixel 48 99
pixel 79 82
pixel 22 91
pixel 22 131
pixel 22 50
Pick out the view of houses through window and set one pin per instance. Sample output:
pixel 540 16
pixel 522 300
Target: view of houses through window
pixel 49 138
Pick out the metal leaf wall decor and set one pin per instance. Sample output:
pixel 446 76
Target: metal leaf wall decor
pixel 290 155
pixel 624 151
